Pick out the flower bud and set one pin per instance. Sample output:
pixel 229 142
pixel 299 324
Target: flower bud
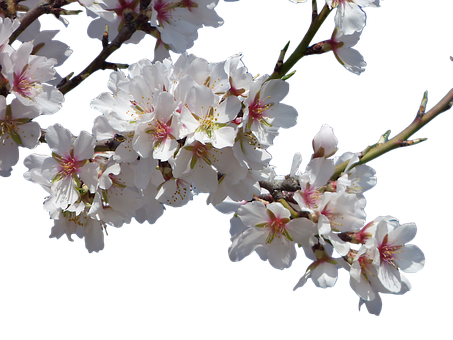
pixel 324 143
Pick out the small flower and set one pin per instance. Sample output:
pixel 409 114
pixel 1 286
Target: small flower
pixel 27 75
pixel 270 227
pixel 16 129
pixel 70 159
pixel 350 17
pixel 341 45
pixel 264 113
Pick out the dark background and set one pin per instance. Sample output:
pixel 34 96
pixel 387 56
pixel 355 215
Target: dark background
pixel 184 255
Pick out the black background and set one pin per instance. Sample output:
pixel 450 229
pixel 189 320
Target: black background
pixel 183 256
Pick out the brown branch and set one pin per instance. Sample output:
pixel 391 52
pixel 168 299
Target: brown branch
pixel 42 7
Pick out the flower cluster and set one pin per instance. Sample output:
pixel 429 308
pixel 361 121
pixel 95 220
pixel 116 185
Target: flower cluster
pixel 170 130
pixel 29 78
pixel 192 127
pixel 326 214
pixel 177 21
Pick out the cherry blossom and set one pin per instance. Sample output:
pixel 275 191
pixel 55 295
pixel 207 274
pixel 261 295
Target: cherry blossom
pixel 350 17
pixel 269 227
pixel 341 45
pixel 16 129
pixel 263 110
pixel 27 75
pixel 70 159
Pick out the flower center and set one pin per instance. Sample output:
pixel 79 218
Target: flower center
pixel 277 227
pixel 387 252
pixel 163 10
pixel 159 130
pixel 256 110
pixel 311 196
pixel 25 86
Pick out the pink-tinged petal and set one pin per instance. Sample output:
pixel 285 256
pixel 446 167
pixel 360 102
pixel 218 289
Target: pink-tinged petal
pixel 324 275
pixel 59 139
pixel 29 134
pixel 411 259
pixel 84 146
pixel 389 277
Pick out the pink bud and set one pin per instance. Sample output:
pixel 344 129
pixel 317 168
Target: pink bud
pixel 324 143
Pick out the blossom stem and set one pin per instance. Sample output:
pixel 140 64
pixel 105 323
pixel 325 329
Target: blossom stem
pixel 299 52
pixel 99 63
pixel 294 213
pixel 401 139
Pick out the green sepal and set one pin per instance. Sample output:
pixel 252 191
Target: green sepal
pixel 287 235
pixel 15 136
pixel 193 161
pixel 261 225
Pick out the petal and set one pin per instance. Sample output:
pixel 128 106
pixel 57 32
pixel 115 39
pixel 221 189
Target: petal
pixel 84 146
pixel 253 213
pixel 246 242
pixel 281 253
pixel 9 156
pixel 94 236
pixel 274 90
pixel 402 234
pixel 390 277
pixel 324 275
pixel 29 134
pixel 351 59
pixel 411 259
pixel 302 280
pixel 59 139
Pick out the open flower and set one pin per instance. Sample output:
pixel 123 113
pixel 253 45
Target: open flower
pixel 27 75
pixel 270 227
pixel 70 159
pixel 341 45
pixel 350 17
pixel 16 129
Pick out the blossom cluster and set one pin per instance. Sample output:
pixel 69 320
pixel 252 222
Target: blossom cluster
pixel 168 131
pixel 192 127
pixel 177 21
pixel 30 78
pixel 326 214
